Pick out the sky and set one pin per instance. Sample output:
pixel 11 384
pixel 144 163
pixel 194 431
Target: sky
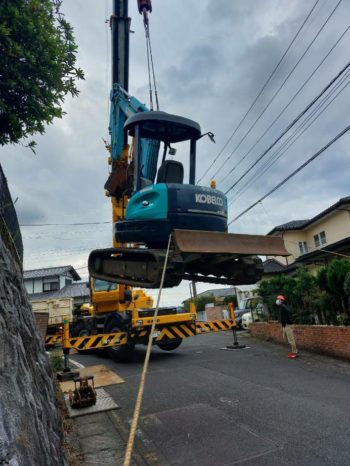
pixel 211 61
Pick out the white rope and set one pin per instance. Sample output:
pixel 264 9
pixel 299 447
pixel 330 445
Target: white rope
pixel 137 409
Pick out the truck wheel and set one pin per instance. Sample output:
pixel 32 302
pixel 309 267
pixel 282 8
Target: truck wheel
pixel 122 353
pixel 82 331
pixel 169 345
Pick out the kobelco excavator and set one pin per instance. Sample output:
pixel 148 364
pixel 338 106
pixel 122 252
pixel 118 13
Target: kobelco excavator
pixel 153 201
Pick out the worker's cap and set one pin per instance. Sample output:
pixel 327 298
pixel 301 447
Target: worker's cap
pixel 281 298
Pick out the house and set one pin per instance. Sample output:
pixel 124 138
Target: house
pixel 313 242
pixel 55 282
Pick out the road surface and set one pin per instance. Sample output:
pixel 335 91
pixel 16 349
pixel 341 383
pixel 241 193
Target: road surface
pixel 209 407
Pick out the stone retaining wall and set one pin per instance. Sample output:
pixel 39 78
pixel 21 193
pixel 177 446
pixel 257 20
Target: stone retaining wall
pixel 30 427
pixel 333 341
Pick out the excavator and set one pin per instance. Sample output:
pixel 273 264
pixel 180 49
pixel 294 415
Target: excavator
pixel 154 205
pixel 156 213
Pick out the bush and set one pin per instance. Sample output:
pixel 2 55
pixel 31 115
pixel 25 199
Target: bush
pixel 56 360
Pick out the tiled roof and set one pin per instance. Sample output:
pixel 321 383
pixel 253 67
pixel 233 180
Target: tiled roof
pixel 293 225
pixel 299 224
pixel 51 271
pixel 218 292
pixel 273 266
pixel 74 290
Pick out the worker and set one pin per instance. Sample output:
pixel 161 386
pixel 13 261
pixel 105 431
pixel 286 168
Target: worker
pixel 286 322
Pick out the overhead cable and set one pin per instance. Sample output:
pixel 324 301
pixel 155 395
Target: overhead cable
pixel 60 224
pixel 292 139
pixel 301 167
pixel 277 92
pixel 293 123
pixel 291 100
pixel 295 136
pixel 260 92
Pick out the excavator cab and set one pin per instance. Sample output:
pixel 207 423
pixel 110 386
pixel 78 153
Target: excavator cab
pixel 165 203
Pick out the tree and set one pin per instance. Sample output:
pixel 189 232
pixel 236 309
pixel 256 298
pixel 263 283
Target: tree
pixel 200 302
pixel 336 275
pixel 37 66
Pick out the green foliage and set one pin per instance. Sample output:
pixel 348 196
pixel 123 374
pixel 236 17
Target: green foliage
pixel 37 67
pixel 347 285
pixel 324 298
pixel 231 299
pixel 337 272
pixel 56 360
pixel 200 302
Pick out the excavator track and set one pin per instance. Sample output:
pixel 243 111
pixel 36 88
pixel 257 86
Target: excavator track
pixel 212 257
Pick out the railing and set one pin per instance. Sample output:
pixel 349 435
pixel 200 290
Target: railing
pixel 9 227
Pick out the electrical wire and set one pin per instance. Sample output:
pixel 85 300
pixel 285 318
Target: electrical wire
pixel 290 141
pixel 291 100
pixel 301 167
pixel 278 91
pixel 62 224
pixel 290 126
pixel 260 92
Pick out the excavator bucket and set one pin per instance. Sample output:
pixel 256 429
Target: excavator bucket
pixel 212 257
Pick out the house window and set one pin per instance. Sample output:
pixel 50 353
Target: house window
pixel 51 284
pixel 303 249
pixel 320 239
pixel 68 281
pixel 323 237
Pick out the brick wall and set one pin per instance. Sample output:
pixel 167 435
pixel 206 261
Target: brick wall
pixel 215 312
pixel 334 341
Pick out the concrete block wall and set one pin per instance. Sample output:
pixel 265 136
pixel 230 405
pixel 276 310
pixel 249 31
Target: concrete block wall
pixel 333 341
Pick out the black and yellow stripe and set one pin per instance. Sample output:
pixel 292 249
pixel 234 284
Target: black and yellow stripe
pixel 169 332
pixel 53 339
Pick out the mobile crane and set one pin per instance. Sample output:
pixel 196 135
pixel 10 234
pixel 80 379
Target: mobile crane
pixel 149 204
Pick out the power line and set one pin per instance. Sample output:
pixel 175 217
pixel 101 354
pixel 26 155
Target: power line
pixel 301 167
pixel 292 99
pixel 278 91
pixel 61 224
pixel 289 142
pixel 260 92
pixel 290 126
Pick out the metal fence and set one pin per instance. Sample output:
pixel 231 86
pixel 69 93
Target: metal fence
pixel 9 227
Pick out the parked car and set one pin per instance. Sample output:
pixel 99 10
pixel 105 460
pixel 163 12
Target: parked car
pixel 253 311
pixel 239 313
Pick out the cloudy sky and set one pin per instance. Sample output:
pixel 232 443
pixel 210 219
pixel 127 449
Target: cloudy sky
pixel 211 58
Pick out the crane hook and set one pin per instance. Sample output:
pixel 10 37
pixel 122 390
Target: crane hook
pixel 145 7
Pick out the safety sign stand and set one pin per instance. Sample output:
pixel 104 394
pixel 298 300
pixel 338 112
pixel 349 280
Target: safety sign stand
pixel 235 345
pixel 67 373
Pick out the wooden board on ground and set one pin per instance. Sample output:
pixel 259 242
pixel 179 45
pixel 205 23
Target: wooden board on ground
pixel 102 377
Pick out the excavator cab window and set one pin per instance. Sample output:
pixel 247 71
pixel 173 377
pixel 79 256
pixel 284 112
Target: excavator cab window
pixel 169 129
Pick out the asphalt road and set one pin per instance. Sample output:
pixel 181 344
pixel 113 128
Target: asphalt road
pixel 210 407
